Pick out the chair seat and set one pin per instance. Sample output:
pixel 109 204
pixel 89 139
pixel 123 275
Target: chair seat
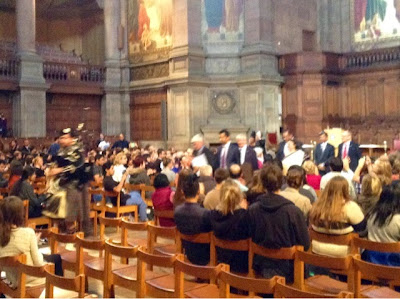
pixel 34 292
pixel 324 284
pixel 167 284
pixel 137 242
pixel 130 273
pixel 70 256
pixel 97 264
pixel 382 292
pixel 165 249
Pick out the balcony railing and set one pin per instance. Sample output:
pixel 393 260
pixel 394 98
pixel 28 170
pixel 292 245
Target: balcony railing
pixel 370 59
pixel 9 68
pixel 55 71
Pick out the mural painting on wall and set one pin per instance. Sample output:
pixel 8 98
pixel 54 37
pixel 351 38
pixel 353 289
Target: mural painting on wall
pixel 376 20
pixel 222 20
pixel 150 29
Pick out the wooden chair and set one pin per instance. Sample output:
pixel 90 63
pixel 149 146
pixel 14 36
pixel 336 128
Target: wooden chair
pixel 96 206
pixel 285 253
pixel 43 220
pixel 68 257
pixel 338 265
pixel 210 273
pixel 203 238
pixel 249 284
pixel 162 214
pixel 240 245
pixel 111 222
pixel 33 271
pixel 118 274
pixel 5 288
pixel 163 286
pixel 374 272
pixel 127 226
pixel 284 291
pixel 155 231
pixel 76 284
pixel 118 210
pixel 144 189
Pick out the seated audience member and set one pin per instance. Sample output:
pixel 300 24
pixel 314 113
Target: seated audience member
pixel 179 196
pixel 16 239
pixel 192 219
pixel 383 226
pixel 162 198
pixel 17 173
pixel 167 169
pixel 133 198
pixel 381 168
pixel 335 213
pixel 16 163
pixel 312 175
pixel 24 190
pixel 294 180
pixel 276 222
pixel 230 222
pixel 212 198
pixel 235 172
pixel 371 189
pixel 396 171
pixel 39 166
pixel 306 189
pixel 119 166
pixel 256 189
pixel 336 166
pixel 206 180
pixel 3 169
pixel 139 174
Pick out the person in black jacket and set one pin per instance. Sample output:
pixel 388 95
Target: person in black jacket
pixel 199 149
pixel 276 222
pixel 230 222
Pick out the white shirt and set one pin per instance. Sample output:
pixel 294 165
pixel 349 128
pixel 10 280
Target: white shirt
pixel 243 153
pixel 323 145
pixel 286 149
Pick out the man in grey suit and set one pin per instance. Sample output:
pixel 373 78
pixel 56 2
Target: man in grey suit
pixel 323 153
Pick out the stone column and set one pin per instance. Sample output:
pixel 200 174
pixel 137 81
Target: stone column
pixel 111 104
pixel 29 106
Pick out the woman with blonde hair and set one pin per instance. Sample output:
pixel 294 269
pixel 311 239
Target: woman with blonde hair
pixel 371 189
pixel 335 213
pixel 230 222
pixel 383 170
pixel 312 175
pixel 119 166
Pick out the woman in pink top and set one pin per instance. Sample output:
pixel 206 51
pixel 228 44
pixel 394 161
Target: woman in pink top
pixel 162 198
pixel 312 176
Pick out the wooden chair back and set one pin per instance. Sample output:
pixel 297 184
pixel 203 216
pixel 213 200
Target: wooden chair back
pixel 114 194
pixel 75 284
pixel 56 238
pixel 183 267
pixel 240 245
pixel 376 246
pixel 162 214
pixel 33 271
pixel 346 239
pixel 13 262
pixel 107 221
pixel 227 280
pixel 203 238
pixel 284 291
pixel 374 272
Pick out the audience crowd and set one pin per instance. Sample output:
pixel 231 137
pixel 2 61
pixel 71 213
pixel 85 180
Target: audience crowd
pixel 237 191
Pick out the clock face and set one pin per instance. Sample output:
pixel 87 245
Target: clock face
pixel 224 104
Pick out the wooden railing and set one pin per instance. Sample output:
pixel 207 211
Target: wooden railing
pixel 371 58
pixel 55 71
pixel 9 68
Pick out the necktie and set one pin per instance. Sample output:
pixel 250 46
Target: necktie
pixel 344 151
pixel 223 158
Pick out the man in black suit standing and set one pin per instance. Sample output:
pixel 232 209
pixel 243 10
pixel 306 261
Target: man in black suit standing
pixel 228 153
pixel 199 149
pixel 283 148
pixel 247 154
pixel 350 149
pixel 324 152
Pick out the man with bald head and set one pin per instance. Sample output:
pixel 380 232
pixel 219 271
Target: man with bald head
pixel 235 172
pixel 247 154
pixel 349 149
pixel 121 142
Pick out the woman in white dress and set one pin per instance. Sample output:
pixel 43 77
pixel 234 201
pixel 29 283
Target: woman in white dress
pixel 294 157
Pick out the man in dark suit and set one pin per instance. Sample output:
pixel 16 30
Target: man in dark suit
pixel 199 148
pixel 350 149
pixel 228 153
pixel 247 154
pixel 283 148
pixel 323 153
